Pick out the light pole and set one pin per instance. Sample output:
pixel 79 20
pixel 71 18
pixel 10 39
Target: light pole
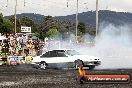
pixel 24 2
pixel 15 15
pixel 97 26
pixel 76 20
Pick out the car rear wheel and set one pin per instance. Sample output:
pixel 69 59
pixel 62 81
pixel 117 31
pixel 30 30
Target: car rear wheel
pixel 78 63
pixel 43 65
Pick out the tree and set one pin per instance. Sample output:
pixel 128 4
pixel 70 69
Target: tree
pixel 52 33
pixel 63 27
pixel 5 25
pixel 37 34
pixel 26 21
pixel 18 24
pixel 48 23
pixel 91 31
pixel 81 27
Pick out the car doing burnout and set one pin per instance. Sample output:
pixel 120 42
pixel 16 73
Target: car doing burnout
pixel 65 59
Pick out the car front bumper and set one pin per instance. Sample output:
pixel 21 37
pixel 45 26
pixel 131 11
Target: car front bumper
pixel 95 63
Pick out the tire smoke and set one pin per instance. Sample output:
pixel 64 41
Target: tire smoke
pixel 113 46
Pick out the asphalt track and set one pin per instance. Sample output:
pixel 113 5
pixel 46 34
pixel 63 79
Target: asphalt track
pixel 24 76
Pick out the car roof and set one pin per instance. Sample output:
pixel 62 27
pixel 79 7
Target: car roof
pixel 61 49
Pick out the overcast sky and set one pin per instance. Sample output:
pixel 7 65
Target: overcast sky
pixel 59 7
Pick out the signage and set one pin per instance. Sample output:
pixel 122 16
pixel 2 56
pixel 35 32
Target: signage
pixel 25 29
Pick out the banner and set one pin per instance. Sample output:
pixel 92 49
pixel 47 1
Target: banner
pixel 25 29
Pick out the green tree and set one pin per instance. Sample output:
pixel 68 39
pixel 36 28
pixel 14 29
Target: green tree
pixel 81 27
pixel 18 24
pixel 91 31
pixel 26 21
pixel 48 23
pixel 37 34
pixel 5 25
pixel 63 27
pixel 52 33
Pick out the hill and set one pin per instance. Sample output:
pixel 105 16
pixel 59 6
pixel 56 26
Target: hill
pixel 117 18
pixel 89 18
pixel 35 17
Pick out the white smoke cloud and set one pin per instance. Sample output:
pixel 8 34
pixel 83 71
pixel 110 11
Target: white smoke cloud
pixel 113 46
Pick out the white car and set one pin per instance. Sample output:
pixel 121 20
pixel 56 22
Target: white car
pixel 65 58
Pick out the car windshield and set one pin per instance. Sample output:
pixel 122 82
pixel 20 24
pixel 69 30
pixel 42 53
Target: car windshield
pixel 72 52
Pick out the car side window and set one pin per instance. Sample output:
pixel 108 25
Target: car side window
pixel 50 54
pixel 53 54
pixel 61 54
pixel 47 54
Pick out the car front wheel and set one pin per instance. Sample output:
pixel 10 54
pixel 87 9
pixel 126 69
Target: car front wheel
pixel 91 67
pixel 78 63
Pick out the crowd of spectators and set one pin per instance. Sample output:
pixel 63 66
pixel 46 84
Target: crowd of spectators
pixel 20 44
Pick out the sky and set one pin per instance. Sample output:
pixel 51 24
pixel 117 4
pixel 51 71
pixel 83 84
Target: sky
pixel 60 8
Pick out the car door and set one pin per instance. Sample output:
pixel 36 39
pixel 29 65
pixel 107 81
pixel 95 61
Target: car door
pixel 49 57
pixel 61 57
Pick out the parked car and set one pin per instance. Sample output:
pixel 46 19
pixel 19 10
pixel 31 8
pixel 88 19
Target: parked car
pixel 65 58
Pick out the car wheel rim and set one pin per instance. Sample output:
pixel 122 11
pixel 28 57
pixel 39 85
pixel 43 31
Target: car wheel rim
pixel 76 65
pixel 43 66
